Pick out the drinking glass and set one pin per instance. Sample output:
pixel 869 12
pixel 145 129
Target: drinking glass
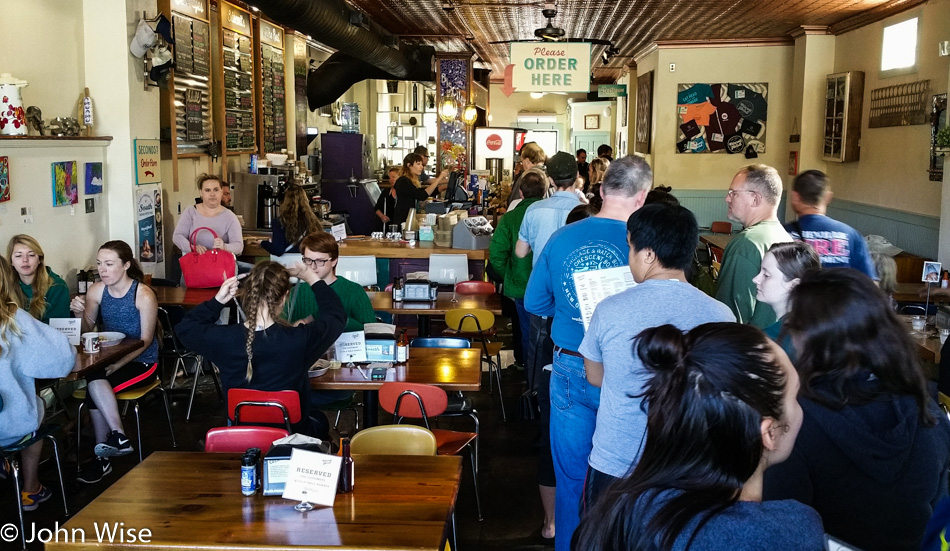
pixel 918 323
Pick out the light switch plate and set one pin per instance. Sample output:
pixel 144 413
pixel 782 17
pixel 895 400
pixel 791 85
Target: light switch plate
pixel 90 205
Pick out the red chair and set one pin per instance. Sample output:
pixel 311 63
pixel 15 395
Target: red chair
pixel 420 401
pixel 721 227
pixel 239 439
pixel 474 287
pixel 259 407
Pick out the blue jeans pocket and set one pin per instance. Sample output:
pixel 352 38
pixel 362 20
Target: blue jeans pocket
pixel 560 391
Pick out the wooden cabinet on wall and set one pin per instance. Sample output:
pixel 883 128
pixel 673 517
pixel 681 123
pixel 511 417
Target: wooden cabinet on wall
pixel 235 73
pixel 271 90
pixel 844 93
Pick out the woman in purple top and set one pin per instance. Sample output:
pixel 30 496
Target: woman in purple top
pixel 210 213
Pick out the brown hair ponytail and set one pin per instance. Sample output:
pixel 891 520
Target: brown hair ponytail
pixel 266 286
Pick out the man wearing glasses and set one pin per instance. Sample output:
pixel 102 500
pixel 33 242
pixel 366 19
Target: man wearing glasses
pixel 320 254
pixel 753 199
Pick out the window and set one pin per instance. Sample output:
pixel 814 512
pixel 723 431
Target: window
pixel 899 48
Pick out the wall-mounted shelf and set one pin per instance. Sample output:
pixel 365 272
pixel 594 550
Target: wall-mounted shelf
pixel 24 142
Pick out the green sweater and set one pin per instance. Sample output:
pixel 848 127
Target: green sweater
pixel 741 261
pixel 57 297
pixel 501 253
pixel 359 310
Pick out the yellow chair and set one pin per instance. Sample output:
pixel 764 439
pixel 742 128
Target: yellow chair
pixel 133 396
pixel 394 440
pixel 479 324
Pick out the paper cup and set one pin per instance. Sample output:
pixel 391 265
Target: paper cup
pixel 90 343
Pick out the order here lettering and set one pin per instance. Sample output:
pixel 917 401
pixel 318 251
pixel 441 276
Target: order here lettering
pixel 551 64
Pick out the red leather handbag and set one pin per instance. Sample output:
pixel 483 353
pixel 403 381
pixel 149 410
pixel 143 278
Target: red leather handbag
pixel 207 270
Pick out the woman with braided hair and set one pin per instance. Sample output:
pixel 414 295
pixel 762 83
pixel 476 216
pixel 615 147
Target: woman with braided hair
pixel 264 352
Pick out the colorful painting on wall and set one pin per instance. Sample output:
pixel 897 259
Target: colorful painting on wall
pixel 93 178
pixel 65 184
pixel 4 179
pixel 716 118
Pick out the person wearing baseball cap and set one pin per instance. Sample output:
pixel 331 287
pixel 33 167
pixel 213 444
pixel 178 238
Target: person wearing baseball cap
pixel 442 178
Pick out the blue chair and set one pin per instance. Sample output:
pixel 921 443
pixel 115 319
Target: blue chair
pixel 13 451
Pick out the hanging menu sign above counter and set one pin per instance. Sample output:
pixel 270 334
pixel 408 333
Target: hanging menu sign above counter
pixel 238 69
pixel 192 105
pixel 274 133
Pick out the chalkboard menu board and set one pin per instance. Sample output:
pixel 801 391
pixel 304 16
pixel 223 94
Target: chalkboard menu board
pixel 272 88
pixel 192 37
pixel 238 67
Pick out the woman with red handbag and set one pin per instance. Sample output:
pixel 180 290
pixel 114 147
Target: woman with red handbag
pixel 209 213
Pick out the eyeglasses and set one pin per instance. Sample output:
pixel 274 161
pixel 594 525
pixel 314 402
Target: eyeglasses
pixel 733 192
pixel 315 262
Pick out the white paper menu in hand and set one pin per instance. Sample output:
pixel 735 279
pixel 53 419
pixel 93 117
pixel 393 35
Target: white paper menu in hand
pixel 596 285
pixel 351 347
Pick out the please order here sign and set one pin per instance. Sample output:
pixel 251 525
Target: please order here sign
pixel 550 66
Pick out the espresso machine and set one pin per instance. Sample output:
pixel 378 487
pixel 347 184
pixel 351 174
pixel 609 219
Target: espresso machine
pixel 256 198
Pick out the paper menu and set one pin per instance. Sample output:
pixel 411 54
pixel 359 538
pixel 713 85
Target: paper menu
pixel 594 286
pixel 71 327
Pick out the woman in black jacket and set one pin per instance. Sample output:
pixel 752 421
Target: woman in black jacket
pixel 408 189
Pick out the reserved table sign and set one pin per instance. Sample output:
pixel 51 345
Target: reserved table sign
pixel 351 347
pixel 312 477
pixel 67 326
pixel 338 231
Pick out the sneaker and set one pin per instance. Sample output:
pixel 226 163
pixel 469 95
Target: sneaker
pixel 95 470
pixel 32 501
pixel 116 444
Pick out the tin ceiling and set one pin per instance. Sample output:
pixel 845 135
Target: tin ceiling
pixel 632 25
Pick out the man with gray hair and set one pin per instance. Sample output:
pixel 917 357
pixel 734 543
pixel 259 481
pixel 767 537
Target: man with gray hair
pixel 595 243
pixel 753 199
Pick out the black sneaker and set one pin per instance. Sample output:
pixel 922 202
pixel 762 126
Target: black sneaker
pixel 116 444
pixel 95 470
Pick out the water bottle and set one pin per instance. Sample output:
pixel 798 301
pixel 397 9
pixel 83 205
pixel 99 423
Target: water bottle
pixel 248 474
pixel 346 483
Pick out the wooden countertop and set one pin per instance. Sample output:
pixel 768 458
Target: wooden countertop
pixel 384 249
pixel 450 368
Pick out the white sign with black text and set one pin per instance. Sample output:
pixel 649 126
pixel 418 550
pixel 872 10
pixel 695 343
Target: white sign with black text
pixel 312 477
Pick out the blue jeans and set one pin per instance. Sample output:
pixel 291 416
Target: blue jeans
pixel 574 404
pixel 524 322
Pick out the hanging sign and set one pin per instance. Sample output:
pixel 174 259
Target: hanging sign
pixel 612 90
pixel 550 66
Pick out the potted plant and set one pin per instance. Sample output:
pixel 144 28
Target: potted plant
pixel 942 139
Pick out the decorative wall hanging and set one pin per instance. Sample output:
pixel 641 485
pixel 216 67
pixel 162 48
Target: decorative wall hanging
pixel 4 179
pixel 644 121
pixel 93 178
pixel 724 117
pixel 65 183
pixel 900 105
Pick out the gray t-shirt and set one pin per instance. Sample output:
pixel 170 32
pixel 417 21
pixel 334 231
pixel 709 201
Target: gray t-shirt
pixel 621 425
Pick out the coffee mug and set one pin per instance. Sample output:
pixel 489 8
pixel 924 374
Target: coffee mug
pixel 90 343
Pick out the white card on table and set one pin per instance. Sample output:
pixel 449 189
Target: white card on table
pixel 338 231
pixel 313 477
pixel 71 327
pixel 596 285
pixel 351 347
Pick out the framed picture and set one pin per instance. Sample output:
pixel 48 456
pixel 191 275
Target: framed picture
pixel 644 114
pixel 4 179
pixel 65 183
pixel 591 122
pixel 93 178
pixel 931 272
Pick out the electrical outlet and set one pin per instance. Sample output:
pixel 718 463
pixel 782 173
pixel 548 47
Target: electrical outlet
pixel 672 67
pixel 26 213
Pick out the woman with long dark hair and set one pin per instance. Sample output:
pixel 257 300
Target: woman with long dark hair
pixel 265 352
pixel 721 409
pixel 874 450
pixel 295 220
pixel 408 189
pixel 117 303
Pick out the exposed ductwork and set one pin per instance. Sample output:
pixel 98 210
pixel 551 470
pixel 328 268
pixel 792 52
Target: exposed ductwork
pixel 361 53
pixel 340 71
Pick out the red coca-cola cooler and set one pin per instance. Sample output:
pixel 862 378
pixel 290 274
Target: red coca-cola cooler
pixel 493 144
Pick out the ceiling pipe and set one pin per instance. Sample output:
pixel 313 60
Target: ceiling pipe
pixel 334 76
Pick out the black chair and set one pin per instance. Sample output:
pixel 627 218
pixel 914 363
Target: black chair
pixel 172 347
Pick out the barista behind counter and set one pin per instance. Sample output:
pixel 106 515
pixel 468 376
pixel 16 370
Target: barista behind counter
pixel 409 190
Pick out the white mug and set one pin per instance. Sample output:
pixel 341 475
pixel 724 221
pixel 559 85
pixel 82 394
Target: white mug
pixel 90 343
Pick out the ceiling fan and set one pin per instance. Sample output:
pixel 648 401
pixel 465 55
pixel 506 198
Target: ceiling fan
pixel 550 33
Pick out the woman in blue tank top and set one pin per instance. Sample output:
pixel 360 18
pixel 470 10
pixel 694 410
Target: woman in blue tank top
pixel 117 303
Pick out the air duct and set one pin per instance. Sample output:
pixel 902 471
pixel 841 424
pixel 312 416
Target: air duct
pixel 340 71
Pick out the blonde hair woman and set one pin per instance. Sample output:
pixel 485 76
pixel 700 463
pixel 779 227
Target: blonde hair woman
pixel 295 220
pixel 40 290
pixel 531 156
pixel 265 353
pixel 408 189
pixel 23 339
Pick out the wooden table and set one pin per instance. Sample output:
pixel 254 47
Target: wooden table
pixel 86 363
pixel 383 302
pixel 928 343
pixel 182 296
pixel 450 368
pixel 719 240
pixel 383 249
pixel 192 500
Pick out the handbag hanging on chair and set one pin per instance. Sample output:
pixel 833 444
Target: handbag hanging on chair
pixel 209 269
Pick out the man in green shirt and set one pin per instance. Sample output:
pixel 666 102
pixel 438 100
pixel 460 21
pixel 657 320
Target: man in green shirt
pixel 753 199
pixel 320 255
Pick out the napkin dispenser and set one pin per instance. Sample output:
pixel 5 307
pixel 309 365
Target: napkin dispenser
pixel 380 347
pixel 472 233
pixel 277 466
pixel 417 290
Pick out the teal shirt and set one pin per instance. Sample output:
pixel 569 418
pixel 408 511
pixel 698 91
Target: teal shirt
pixel 773 331
pixel 501 253
pixel 356 304
pixel 741 261
pixel 57 297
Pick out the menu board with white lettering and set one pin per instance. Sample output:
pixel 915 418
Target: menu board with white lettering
pixel 238 66
pixel 192 40
pixel 272 87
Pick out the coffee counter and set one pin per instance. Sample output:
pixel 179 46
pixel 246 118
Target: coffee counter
pixel 375 247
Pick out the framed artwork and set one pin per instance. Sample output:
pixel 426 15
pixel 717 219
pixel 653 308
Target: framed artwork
pixel 591 122
pixel 4 179
pixel 644 115
pixel 65 183
pixel 793 163
pixel 93 178
pixel 931 272
pixel 722 118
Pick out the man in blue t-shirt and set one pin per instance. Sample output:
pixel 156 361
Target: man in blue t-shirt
pixel 838 245
pixel 594 243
